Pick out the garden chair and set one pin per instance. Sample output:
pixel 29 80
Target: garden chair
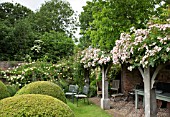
pixel 115 87
pixel 73 90
pixel 84 94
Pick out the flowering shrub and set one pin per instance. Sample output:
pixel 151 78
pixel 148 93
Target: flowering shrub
pixel 91 57
pixel 143 47
pixel 36 71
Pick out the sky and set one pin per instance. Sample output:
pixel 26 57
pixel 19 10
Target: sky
pixel 36 4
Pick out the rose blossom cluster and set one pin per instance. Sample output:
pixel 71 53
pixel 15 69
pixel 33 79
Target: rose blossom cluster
pixel 92 57
pixel 143 46
pixel 120 53
pixel 161 27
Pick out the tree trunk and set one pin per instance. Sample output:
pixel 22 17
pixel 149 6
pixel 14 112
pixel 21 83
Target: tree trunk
pixel 87 79
pixel 105 101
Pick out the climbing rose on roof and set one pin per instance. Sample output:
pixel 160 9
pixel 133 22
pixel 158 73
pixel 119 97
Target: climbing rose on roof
pixel 143 47
pixel 91 57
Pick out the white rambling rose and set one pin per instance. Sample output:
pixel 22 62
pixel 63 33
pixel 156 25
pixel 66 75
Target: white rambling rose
pixel 92 57
pixel 167 49
pixel 130 68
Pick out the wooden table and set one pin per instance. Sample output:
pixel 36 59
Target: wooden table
pixel 159 96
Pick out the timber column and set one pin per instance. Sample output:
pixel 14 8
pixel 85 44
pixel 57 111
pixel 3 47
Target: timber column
pixel 105 101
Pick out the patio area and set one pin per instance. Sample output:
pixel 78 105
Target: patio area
pixel 123 108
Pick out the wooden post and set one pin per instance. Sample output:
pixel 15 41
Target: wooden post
pixel 149 94
pixel 105 101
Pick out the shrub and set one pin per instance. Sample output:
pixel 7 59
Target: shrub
pixel 92 91
pixel 30 72
pixel 12 89
pixel 43 87
pixel 34 105
pixel 25 73
pixel 3 91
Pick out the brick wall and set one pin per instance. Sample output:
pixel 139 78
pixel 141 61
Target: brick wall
pixel 129 79
pixel 4 65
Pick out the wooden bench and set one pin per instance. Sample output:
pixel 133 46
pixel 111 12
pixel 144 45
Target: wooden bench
pixel 159 96
pixel 114 96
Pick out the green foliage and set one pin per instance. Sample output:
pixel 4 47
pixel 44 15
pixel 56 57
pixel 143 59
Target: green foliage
pixel 22 40
pixel 52 47
pixel 78 70
pixel 73 71
pixel 6 33
pixel 45 88
pixel 54 15
pixel 13 12
pixel 105 20
pixel 15 31
pixel 63 73
pixel 29 72
pixel 20 27
pixel 12 89
pixel 3 91
pixel 34 105
pixel 92 90
pixel 36 71
pixel 114 72
pixel 85 19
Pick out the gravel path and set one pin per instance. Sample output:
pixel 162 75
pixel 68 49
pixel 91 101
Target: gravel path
pixel 127 109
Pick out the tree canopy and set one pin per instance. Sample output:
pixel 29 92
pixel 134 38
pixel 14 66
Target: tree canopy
pixel 54 15
pixel 106 19
pixel 52 47
pixel 20 27
pixel 15 31
pixel 13 12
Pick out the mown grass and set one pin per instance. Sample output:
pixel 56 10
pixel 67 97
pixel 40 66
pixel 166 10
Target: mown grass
pixel 85 110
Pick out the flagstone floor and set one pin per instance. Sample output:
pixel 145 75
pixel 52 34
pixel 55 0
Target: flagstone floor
pixel 123 108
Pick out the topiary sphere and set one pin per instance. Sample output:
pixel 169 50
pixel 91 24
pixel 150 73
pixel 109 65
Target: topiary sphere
pixel 45 88
pixel 34 105
pixel 3 91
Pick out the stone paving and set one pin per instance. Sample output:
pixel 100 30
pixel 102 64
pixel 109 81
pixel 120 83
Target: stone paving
pixel 122 108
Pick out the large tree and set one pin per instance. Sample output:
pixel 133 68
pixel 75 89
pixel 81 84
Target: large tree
pixel 20 27
pixel 85 19
pixel 56 15
pixel 108 18
pixel 16 34
pixel 13 12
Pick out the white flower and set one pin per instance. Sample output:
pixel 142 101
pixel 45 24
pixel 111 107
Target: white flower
pixel 130 68
pixel 167 49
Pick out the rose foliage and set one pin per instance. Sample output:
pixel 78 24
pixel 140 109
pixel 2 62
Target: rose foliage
pixel 143 47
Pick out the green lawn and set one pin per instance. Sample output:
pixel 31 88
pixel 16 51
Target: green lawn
pixel 85 110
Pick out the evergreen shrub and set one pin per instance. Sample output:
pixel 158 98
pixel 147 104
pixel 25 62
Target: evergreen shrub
pixel 34 105
pixel 3 91
pixel 45 88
